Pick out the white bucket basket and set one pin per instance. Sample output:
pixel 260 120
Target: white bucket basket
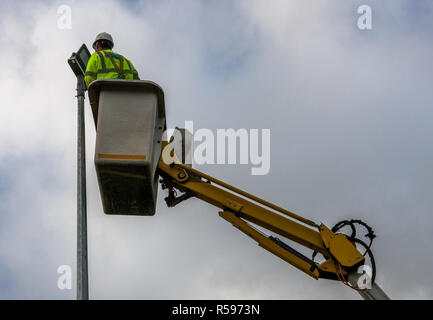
pixel 130 120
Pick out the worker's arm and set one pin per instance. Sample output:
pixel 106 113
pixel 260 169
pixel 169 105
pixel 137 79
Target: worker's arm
pixel 134 72
pixel 92 69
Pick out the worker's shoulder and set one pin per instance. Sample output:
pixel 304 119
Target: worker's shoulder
pixel 119 55
pixel 98 54
pixel 112 53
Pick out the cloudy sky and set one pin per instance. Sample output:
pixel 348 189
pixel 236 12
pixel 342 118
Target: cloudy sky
pixel 350 116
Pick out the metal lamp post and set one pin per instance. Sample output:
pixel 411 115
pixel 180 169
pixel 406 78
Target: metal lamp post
pixel 78 62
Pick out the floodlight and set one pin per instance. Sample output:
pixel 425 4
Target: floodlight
pixel 78 61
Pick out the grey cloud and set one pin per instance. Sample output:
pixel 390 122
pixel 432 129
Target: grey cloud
pixel 349 113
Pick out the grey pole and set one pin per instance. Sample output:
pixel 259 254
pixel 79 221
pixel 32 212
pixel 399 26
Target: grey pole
pixel 82 272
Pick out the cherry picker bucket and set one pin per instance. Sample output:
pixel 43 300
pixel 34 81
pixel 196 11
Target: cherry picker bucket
pixel 130 120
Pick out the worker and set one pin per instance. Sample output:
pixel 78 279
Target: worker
pixel 106 64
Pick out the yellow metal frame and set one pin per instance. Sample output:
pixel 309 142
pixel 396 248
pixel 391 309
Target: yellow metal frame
pixel 239 208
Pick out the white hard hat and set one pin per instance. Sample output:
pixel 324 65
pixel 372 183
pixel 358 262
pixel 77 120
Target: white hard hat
pixel 103 36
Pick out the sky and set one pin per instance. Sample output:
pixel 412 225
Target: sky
pixel 349 113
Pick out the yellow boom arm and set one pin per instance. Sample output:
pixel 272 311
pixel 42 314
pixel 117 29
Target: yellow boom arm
pixel 241 209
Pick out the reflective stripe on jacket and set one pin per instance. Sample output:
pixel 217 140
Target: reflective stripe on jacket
pixel 100 66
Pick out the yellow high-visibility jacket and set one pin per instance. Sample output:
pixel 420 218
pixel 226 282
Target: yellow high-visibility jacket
pixel 100 66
